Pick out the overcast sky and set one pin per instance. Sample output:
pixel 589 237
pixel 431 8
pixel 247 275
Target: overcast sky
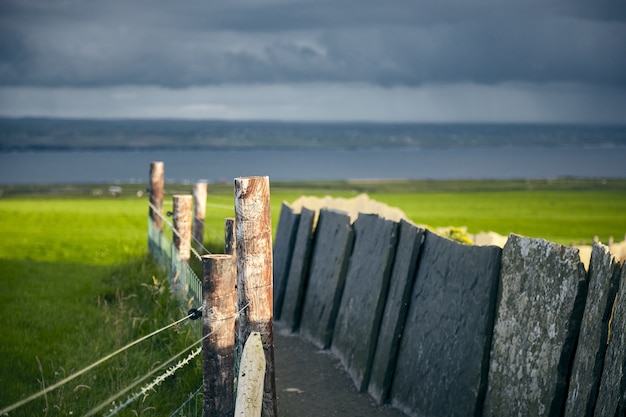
pixel 392 60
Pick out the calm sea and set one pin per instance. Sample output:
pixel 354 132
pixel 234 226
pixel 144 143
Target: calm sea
pixel 58 167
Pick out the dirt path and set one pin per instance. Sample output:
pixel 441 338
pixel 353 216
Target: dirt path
pixel 312 382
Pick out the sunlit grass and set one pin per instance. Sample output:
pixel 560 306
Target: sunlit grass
pixel 77 283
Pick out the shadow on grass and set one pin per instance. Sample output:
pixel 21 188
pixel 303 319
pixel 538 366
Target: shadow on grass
pixel 57 318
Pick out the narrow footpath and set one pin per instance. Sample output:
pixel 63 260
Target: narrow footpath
pixel 312 382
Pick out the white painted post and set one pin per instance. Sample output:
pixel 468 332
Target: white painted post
pixel 250 381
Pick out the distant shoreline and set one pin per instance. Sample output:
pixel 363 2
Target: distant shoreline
pixel 49 135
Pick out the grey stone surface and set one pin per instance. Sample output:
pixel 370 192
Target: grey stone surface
pixel 332 246
pixel 364 296
pixel 283 247
pixel 540 305
pixel 604 272
pixel 410 238
pixel 442 360
pixel 298 275
pixel 612 396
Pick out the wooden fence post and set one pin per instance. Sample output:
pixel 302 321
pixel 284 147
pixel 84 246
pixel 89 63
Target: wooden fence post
pixel 218 326
pixel 156 193
pixel 182 226
pixel 253 226
pixel 230 246
pixel 249 401
pixel 199 212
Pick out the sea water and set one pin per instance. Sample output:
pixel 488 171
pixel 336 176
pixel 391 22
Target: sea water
pixel 59 167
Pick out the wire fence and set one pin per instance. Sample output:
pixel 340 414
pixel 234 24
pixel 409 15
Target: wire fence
pixel 182 279
pixel 188 287
pixel 192 407
pixel 184 283
pixel 66 380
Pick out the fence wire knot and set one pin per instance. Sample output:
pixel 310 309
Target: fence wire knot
pixel 195 313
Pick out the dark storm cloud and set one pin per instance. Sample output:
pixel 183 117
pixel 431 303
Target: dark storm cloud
pixel 192 43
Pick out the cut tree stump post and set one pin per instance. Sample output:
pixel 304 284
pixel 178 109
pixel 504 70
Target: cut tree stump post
pixel 156 193
pixel 199 213
pixel 219 277
pixel 182 226
pixel 230 246
pixel 253 226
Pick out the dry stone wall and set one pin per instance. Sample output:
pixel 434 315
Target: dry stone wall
pixel 540 305
pixel 441 368
pixel 298 274
pixel 329 261
pixel 365 293
pixel 604 271
pixel 438 328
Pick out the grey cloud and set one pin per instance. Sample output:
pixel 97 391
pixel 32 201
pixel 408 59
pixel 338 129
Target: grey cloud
pixel 401 42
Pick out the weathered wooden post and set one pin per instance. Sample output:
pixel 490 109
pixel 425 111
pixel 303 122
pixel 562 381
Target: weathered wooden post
pixel 182 226
pixel 219 277
pixel 155 211
pixel 250 380
pixel 199 212
pixel 253 226
pixel 156 193
pixel 230 246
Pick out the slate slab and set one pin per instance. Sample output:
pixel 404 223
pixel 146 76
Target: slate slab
pixel 298 275
pixel 612 396
pixel 540 306
pixel 364 296
pixel 442 360
pixel 329 262
pixel 283 247
pixel 604 272
pixel 410 238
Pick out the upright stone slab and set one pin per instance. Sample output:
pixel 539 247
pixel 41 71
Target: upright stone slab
pixel 403 272
pixel 604 271
pixel 612 396
pixel 329 261
pixel 364 295
pixel 298 275
pixel 540 306
pixel 442 360
pixel 283 247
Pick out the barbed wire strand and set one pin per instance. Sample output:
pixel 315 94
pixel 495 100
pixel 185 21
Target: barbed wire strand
pixel 200 244
pixel 157 381
pixel 140 380
pixel 88 368
pixel 161 377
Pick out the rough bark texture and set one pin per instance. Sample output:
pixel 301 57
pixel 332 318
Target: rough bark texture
pixel 253 226
pixel 230 241
pixel 364 295
pixel 219 277
pixel 443 355
pixel 540 306
pixel 182 226
pixel 156 192
pixel 199 212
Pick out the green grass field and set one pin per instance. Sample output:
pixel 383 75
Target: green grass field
pixel 77 283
